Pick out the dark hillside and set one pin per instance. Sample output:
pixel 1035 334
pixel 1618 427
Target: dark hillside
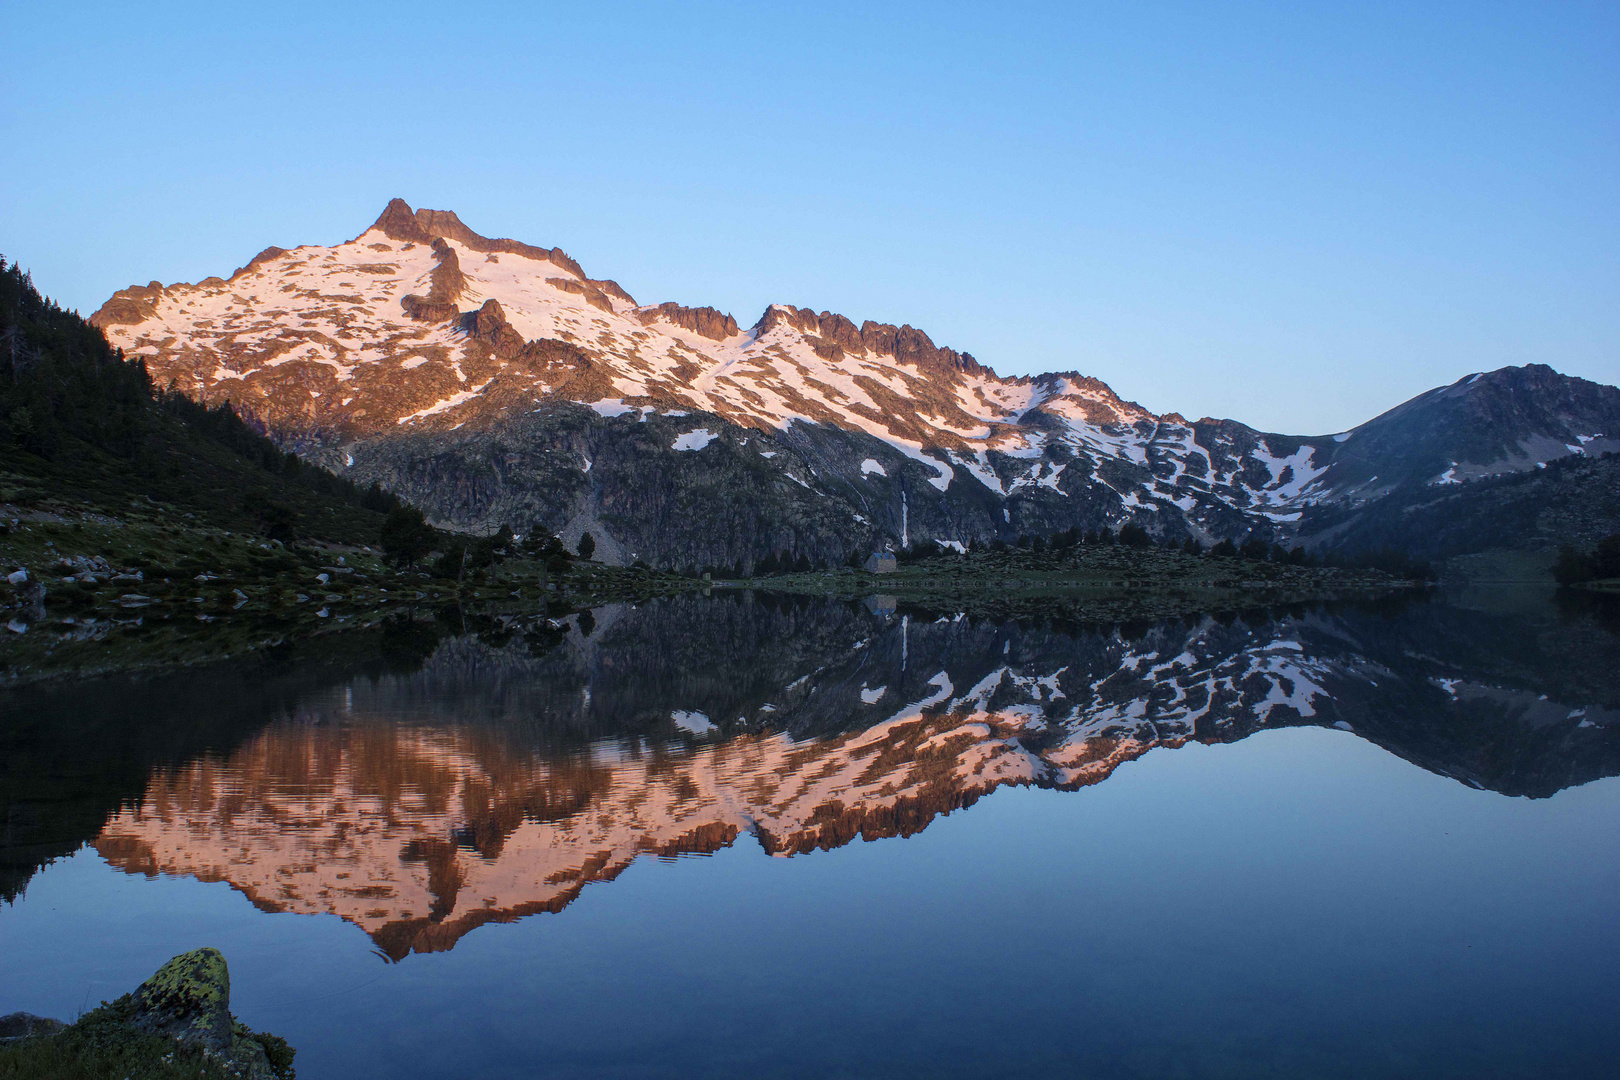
pixel 1571 500
pixel 82 427
pixel 1498 422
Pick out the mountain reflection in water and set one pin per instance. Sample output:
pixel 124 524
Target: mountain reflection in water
pixel 494 783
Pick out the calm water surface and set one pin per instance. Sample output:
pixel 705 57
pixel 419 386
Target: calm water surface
pixel 743 836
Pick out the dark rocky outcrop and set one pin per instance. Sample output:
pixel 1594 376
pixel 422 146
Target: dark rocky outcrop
pixel 746 494
pixel 561 363
pixel 488 324
pixel 435 224
pixel 398 222
pixel 593 295
pixel 837 335
pixel 611 288
pixel 425 310
pixel 21 1025
pixel 707 321
pixel 128 306
pixel 259 260
pixel 446 284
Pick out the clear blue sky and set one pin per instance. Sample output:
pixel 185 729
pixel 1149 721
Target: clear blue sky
pixel 1296 215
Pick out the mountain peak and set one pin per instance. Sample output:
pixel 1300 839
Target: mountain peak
pixel 446 225
pixel 398 222
pixel 422 332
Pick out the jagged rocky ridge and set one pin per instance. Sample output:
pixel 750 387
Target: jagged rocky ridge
pixel 494 784
pixel 494 382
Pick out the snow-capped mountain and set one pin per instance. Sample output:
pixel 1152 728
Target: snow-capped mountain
pixel 496 382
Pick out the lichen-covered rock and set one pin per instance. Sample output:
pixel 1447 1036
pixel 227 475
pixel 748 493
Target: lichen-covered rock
pixel 188 1000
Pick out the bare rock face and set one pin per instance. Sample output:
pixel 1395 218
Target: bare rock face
pixel 397 222
pixel 711 323
pixel 448 280
pixel 611 288
pixel 836 336
pixel 447 285
pixel 561 258
pixel 593 295
pixel 488 324
pixel 445 225
pixel 422 309
pixel 267 255
pixel 130 306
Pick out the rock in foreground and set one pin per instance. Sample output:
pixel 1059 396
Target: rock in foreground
pixel 177 1023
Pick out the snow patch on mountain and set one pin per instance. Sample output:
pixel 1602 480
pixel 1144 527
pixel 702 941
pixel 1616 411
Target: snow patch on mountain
pixel 696 439
pixel 444 405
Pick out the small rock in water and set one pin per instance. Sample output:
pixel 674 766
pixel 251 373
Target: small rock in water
pixel 17 577
pixel 21 1025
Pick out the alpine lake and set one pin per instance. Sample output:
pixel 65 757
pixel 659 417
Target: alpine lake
pixel 759 834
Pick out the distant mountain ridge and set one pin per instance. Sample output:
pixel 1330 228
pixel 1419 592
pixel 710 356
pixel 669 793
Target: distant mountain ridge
pixel 494 381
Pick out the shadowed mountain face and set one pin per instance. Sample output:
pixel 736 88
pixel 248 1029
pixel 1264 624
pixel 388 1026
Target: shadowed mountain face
pixel 492 381
pixel 492 783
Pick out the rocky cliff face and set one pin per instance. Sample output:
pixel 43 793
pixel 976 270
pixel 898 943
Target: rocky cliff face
pixel 495 382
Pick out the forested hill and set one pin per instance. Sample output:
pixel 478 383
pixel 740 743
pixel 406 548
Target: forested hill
pixel 82 428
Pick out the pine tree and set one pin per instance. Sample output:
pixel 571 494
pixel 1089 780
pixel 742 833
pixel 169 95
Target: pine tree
pixel 1133 535
pixel 406 536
